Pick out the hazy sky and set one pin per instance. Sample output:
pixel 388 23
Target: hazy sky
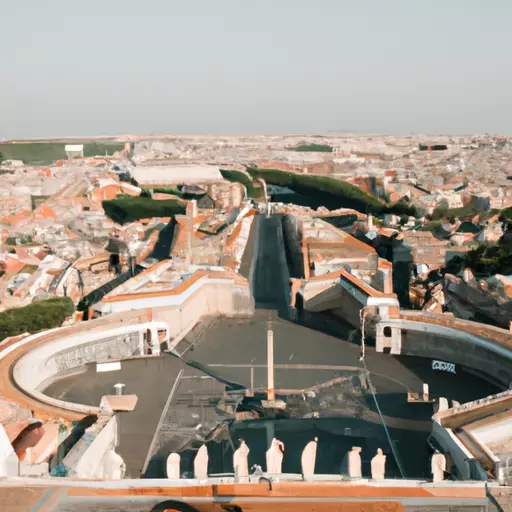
pixel 100 67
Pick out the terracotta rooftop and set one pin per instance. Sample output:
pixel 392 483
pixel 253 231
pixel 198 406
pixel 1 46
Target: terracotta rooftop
pixel 163 281
pixel 44 211
pixel 14 220
pixel 326 242
pixel 388 232
pixel 344 274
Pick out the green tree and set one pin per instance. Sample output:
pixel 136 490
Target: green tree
pixel 1 157
pixel 315 148
pixel 43 314
pixel 135 208
pixel 506 215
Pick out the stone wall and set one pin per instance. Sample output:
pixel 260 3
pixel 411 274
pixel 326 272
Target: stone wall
pixel 210 300
pixel 292 237
pixel 37 368
pixel 416 338
pixel 110 347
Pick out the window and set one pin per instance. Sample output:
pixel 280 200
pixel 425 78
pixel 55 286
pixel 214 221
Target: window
pixel 387 332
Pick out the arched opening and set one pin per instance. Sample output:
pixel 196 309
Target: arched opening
pixel 387 331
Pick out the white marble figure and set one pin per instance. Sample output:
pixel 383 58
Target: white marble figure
pixel 173 466
pixel 354 462
pixel 443 404
pixel 308 458
pixel 379 465
pixel 9 462
pixel 275 457
pixel 240 460
pixel 438 466
pixel 201 463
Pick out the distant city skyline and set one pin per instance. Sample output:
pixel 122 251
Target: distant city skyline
pixel 230 67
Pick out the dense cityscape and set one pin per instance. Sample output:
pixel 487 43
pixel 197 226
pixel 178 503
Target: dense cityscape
pixel 227 321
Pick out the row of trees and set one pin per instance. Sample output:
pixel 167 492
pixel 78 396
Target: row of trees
pixel 313 148
pixel 130 209
pixel 253 191
pixel 487 258
pixel 40 315
pixel 332 192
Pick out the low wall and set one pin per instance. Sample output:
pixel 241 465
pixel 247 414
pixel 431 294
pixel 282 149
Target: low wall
pixel 38 368
pixel 450 340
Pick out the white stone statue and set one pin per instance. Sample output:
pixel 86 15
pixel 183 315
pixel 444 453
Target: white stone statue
pixel 173 466
pixel 443 404
pixel 112 467
pixel 9 462
pixel 438 466
pixel 275 456
pixel 354 462
pixel 308 458
pixel 240 460
pixel 379 465
pixel 201 463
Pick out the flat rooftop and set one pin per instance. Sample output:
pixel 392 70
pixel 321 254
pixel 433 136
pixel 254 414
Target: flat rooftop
pixel 160 277
pixel 326 242
pixel 176 174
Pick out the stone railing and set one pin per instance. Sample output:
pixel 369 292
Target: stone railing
pixel 485 349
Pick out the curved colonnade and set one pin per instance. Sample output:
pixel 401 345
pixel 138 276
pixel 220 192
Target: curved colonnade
pixel 30 364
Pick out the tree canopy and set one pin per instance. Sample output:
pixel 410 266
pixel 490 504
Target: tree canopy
pixel 40 315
